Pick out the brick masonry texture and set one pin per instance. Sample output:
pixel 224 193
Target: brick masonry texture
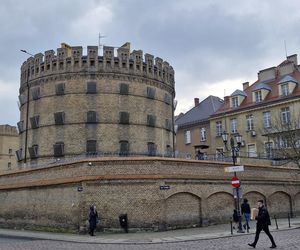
pixel 199 193
pixel 107 102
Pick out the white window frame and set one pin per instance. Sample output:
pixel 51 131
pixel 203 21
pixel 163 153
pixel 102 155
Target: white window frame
pixel 219 128
pixel 202 134
pixel 251 154
pixel 285 115
pixel 187 137
pixel 258 96
pixel 233 125
pixel 235 101
pixel 284 89
pixel 249 122
pixel 267 119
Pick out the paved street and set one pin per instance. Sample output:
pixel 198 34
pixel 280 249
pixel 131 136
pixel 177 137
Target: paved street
pixel 286 239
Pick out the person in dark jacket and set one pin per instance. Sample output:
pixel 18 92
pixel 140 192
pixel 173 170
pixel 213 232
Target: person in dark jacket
pixel 263 222
pixel 93 218
pixel 246 211
pixel 235 218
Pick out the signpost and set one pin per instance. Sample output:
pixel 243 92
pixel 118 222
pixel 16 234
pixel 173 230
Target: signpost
pixel 234 169
pixel 235 182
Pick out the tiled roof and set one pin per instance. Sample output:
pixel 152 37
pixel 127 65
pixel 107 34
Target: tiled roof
pixel 201 112
pixel 238 92
pixel 272 96
pixel 288 78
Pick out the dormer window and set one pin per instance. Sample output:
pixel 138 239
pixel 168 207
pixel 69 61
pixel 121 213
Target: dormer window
pixel 284 89
pixel 258 96
pixel 287 85
pixel 235 102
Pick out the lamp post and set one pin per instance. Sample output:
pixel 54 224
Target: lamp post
pixel 27 107
pixel 234 150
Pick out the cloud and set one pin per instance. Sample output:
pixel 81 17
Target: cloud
pixel 211 44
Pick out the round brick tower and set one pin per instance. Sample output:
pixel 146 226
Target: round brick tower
pixel 76 105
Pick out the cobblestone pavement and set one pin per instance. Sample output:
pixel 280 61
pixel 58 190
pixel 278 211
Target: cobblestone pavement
pixel 286 239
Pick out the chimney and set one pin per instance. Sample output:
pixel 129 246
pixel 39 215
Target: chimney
pixel 293 58
pixel 245 85
pixel 196 101
pixel 226 100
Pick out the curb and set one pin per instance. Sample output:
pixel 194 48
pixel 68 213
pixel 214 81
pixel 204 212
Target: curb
pixel 103 241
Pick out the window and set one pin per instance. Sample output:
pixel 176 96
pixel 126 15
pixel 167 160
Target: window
pixel 91 117
pixel 34 121
pixel 169 151
pixel 91 147
pixel 218 128
pixel 19 154
pixel 151 120
pixel 235 101
pixel 187 137
pixel 267 119
pixel 59 118
pixel 35 92
pixel 151 149
pixel 91 88
pixel 284 89
pixel 285 115
pixel 124 148
pixel 124 89
pixel 283 142
pixel 167 99
pixel 258 96
pixel 124 118
pixel 33 151
pixel 60 89
pixel 58 149
pixel 20 126
pixel 251 150
pixel 10 151
pixel 233 124
pixel 250 124
pixel 269 149
pixel 202 134
pixel 150 93
pixel 9 165
pixel 168 124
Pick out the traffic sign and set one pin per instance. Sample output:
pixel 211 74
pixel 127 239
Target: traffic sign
pixel 234 169
pixel 235 182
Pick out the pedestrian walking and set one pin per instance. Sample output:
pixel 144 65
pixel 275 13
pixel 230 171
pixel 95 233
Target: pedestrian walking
pixel 93 219
pixel 235 218
pixel 263 223
pixel 246 211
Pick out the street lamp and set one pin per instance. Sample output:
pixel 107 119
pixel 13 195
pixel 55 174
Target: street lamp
pixel 27 107
pixel 234 150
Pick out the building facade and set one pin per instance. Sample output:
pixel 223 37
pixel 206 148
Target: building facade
pixel 193 129
pixel 9 144
pixel 116 103
pixel 259 111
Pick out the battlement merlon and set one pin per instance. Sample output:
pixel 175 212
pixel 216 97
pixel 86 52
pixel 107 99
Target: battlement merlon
pixel 71 59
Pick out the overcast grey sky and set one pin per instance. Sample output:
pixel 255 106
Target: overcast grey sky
pixel 213 45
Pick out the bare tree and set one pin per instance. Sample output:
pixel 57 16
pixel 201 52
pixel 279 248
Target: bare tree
pixel 285 134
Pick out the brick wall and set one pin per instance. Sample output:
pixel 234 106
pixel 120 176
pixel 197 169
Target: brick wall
pixel 196 193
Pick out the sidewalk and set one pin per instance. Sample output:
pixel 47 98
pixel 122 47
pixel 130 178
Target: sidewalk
pixel 211 232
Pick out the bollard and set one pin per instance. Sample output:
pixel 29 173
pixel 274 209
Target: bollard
pixel 289 219
pixel 231 230
pixel 276 221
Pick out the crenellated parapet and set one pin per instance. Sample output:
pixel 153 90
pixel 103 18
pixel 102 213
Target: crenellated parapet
pixel 70 59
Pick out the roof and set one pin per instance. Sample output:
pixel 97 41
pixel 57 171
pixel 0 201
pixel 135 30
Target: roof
pixel 238 92
pixel 271 85
pixel 262 85
pixel 288 78
pixel 200 112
